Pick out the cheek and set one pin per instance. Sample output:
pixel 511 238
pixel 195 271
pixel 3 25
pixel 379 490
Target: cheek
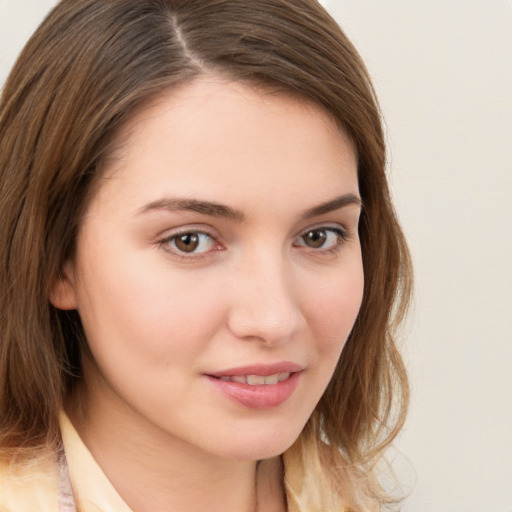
pixel 333 311
pixel 141 310
pixel 331 307
pixel 334 306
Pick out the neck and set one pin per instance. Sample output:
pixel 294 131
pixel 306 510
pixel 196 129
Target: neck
pixel 152 471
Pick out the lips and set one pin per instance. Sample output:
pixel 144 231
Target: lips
pixel 262 370
pixel 258 386
pixel 256 380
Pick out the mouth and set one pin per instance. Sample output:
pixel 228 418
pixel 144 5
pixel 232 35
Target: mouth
pixel 257 374
pixel 260 386
pixel 257 380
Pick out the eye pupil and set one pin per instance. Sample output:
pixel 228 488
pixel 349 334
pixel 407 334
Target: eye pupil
pixel 187 242
pixel 315 238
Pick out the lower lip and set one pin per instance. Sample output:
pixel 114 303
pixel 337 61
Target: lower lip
pixel 265 396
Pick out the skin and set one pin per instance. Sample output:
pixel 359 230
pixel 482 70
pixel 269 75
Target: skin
pixel 255 290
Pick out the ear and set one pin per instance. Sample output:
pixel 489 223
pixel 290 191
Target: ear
pixel 63 289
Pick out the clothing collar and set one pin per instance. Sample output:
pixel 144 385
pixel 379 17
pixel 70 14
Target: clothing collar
pixel 92 489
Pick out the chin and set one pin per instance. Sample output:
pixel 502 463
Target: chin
pixel 258 443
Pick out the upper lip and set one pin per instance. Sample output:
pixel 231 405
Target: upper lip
pixel 259 369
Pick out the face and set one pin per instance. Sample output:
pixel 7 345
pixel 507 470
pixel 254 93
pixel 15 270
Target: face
pixel 218 269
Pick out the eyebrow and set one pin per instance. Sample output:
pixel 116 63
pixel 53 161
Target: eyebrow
pixel 194 205
pixel 335 204
pixel 229 213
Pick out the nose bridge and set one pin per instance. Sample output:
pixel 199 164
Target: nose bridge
pixel 264 305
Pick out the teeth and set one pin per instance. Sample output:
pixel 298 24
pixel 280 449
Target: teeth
pixel 257 380
pixel 271 379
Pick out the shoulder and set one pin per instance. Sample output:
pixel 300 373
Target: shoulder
pixel 30 486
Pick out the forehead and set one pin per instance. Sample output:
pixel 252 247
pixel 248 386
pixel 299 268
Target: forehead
pixel 222 135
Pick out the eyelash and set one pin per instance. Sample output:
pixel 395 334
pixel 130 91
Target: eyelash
pixel 342 236
pixel 166 242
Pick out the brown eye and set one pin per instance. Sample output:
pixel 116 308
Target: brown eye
pixel 190 244
pixel 323 239
pixel 315 238
pixel 187 242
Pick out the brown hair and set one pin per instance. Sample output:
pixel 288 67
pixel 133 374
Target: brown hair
pixel 78 80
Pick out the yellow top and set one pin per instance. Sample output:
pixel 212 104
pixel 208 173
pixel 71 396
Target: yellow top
pixel 34 487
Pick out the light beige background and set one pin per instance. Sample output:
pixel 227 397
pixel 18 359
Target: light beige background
pixel 443 71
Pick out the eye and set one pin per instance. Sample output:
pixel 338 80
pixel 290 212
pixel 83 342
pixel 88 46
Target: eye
pixel 190 242
pixel 324 238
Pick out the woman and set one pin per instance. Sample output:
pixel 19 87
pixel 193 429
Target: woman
pixel 195 224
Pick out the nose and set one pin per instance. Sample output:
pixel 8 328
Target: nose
pixel 265 305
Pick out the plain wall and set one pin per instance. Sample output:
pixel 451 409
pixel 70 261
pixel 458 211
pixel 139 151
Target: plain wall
pixel 443 72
